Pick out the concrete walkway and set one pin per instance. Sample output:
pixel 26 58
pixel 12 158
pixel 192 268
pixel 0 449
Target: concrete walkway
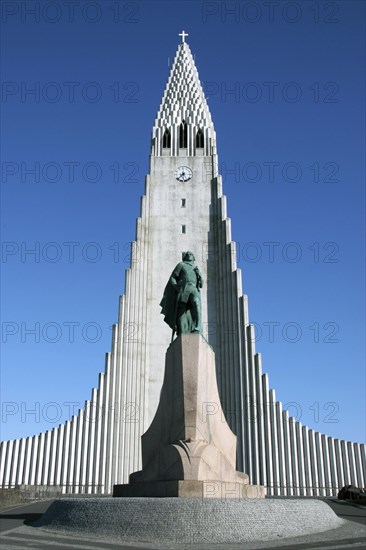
pixel 18 534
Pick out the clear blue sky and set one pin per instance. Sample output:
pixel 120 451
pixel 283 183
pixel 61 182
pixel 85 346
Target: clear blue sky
pixel 293 130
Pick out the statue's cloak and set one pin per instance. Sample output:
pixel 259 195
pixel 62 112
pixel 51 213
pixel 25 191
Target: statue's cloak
pixel 184 282
pixel 169 305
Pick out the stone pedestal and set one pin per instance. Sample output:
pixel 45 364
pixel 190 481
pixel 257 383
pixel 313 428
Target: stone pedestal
pixel 189 449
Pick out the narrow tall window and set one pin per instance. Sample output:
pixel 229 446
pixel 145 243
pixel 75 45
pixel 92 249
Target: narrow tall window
pixel 183 203
pixel 183 135
pixel 166 139
pixel 183 228
pixel 200 139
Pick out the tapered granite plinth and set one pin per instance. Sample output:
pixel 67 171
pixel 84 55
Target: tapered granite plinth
pixel 189 450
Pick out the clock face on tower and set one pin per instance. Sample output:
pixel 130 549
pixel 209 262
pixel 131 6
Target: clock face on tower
pixel 183 173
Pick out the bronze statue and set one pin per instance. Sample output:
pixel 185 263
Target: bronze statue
pixel 181 303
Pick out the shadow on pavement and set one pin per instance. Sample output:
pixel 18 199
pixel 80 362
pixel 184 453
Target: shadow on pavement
pixel 27 518
pixel 24 514
pixel 348 510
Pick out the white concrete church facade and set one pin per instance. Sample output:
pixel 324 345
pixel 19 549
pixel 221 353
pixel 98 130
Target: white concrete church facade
pixel 183 208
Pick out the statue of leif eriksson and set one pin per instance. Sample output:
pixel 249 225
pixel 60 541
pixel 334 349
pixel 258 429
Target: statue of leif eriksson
pixel 181 303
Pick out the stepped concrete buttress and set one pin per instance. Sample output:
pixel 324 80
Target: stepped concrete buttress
pixel 189 449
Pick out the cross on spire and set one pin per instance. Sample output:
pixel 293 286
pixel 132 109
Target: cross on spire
pixel 183 34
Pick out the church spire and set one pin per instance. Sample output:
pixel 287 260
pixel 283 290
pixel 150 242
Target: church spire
pixel 183 125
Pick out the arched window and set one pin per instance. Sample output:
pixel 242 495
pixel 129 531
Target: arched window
pixel 183 135
pixel 166 139
pixel 200 139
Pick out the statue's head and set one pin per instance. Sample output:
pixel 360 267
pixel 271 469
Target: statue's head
pixel 188 256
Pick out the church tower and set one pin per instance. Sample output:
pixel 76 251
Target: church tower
pixel 183 209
